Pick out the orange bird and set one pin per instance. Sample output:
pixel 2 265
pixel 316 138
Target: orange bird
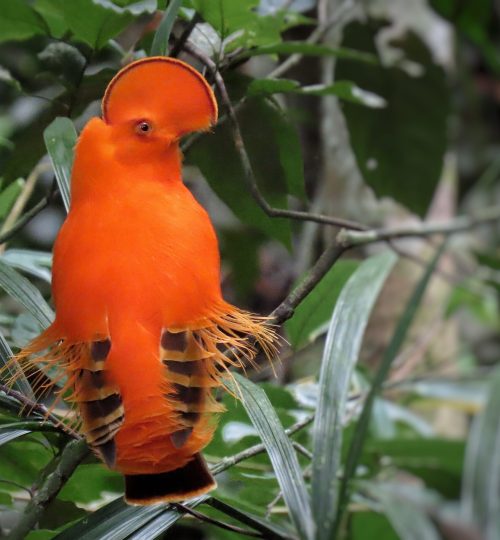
pixel 141 324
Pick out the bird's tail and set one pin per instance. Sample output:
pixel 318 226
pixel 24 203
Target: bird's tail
pixel 173 486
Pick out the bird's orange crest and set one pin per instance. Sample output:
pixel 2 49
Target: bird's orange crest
pixel 161 86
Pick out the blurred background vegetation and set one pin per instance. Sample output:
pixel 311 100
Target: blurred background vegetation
pixel 384 113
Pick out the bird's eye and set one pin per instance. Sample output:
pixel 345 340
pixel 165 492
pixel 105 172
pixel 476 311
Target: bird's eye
pixel 143 127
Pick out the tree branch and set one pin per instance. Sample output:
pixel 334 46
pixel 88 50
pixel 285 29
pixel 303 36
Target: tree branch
pixel 28 406
pixel 230 461
pixel 350 239
pixel 49 486
pixel 248 172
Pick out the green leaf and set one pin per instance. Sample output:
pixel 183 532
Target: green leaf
pixel 64 61
pixel 20 383
pixel 36 263
pixel 7 435
pixel 241 19
pixel 481 478
pixel 96 28
pixel 88 483
pixel 162 34
pixel 281 453
pixel 156 527
pixel 399 148
pixel 19 288
pixel 9 195
pixel 395 344
pixel 19 21
pixel 135 7
pixel 117 521
pixel 345 90
pixel 343 343
pixel 60 139
pixel 407 518
pixel 268 87
pixel 226 176
pixel 311 49
pixel 312 314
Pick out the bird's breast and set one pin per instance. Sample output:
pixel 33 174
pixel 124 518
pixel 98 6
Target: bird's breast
pixel 151 252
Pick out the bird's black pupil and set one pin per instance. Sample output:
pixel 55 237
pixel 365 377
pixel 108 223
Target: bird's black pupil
pixel 144 126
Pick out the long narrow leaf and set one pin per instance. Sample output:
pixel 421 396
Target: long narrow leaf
pixel 282 455
pixel 480 495
pixel 343 344
pixel 60 139
pixel 20 382
pixel 160 40
pixel 36 263
pixel 19 288
pixel 397 340
pixel 408 519
pixel 156 527
pixel 9 435
pixel 115 521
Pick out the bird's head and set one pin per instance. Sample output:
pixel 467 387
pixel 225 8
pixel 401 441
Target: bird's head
pixel 153 102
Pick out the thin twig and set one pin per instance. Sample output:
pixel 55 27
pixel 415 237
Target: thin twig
pixel 460 224
pixel 316 36
pixel 29 406
pixel 24 219
pixel 267 532
pixel 179 43
pixel 181 508
pixel 229 461
pixel 10 226
pixel 286 309
pixel 245 160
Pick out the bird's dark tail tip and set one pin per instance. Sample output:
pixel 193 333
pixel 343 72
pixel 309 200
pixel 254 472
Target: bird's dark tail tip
pixel 173 486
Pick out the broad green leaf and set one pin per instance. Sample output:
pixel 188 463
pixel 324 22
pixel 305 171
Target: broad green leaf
pixel 21 383
pixel 407 518
pixel 343 343
pixel 36 263
pixel 272 86
pixel 480 496
pixel 60 139
pixel 66 62
pixel 19 288
pixel 241 19
pixel 312 314
pixel 96 27
pixel 312 49
pixel 393 348
pixel 19 21
pixel 226 176
pixel 9 195
pixel 281 453
pixel 162 34
pixel 136 7
pixel 88 483
pixel 377 525
pixel 399 148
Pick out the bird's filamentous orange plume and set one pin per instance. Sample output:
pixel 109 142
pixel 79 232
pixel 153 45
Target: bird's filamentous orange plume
pixel 141 324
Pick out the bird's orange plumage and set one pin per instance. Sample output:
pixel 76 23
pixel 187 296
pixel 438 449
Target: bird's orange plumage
pixel 140 319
